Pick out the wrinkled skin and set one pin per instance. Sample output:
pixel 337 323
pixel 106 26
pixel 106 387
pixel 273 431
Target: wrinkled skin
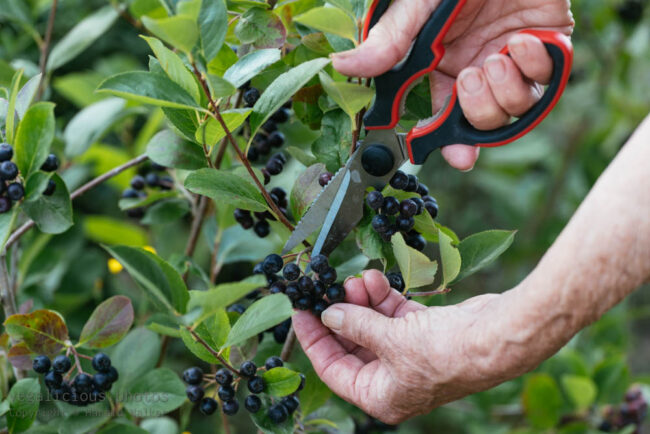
pixel 396 359
pixel 493 87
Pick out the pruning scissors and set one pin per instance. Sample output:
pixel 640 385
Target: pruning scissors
pixel 339 207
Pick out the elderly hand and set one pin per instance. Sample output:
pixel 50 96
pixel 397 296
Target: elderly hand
pixel 492 87
pixel 396 358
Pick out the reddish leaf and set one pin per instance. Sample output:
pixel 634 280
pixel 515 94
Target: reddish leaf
pixel 43 331
pixel 19 356
pixel 108 324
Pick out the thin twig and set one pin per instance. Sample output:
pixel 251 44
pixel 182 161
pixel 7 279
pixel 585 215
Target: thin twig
pixel 211 350
pixel 15 236
pixel 287 348
pixel 357 131
pixel 196 226
pixel 429 293
pixel 45 49
pixel 8 301
pixel 163 351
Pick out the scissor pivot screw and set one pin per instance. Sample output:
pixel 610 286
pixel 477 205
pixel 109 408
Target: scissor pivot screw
pixel 377 160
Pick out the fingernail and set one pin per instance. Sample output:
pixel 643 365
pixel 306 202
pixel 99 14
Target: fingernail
pixel 333 318
pixel 517 46
pixel 471 81
pixel 342 55
pixel 496 68
pixel 347 279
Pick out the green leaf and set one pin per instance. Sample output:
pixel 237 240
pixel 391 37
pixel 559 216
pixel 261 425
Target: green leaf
pixel 223 295
pixel 261 315
pixel 282 89
pixel 42 331
pixel 280 381
pixel 108 323
pixel 224 60
pixel 165 392
pixel 213 331
pixel 262 28
pixel 148 88
pixel 160 425
pixel 90 124
pixel 315 394
pixel 179 31
pixel 7 221
pixel 303 157
pixel 332 147
pixel 34 137
pixel 79 87
pixel 107 230
pixel 174 67
pixel 83 35
pixel 581 391
pixel 542 401
pixel 133 357
pixel 349 96
pixel 226 187
pixel 251 65
pixel 220 87
pixel 10 123
pixel 211 132
pixel 450 258
pixel 329 20
pixel 26 95
pixel 213 26
pixel 169 150
pixel 24 399
pixel 130 203
pixel 157 278
pixel 166 211
pixel 305 190
pixel 417 270
pixel 52 214
pixel 121 428
pixel 480 250
pixel 612 378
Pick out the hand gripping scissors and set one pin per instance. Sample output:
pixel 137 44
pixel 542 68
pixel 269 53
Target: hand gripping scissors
pixel 339 207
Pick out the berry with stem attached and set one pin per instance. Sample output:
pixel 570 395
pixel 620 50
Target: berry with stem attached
pixel 223 377
pixel 291 272
pixel 319 263
pixel 61 364
pixel 272 264
pixel 194 393
pixel 248 369
pixel 193 376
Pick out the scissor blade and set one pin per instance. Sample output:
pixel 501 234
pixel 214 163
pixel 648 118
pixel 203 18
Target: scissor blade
pixel 315 216
pixel 344 215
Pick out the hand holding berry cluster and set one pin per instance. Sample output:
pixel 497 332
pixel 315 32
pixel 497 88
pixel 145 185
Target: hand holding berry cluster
pixel 227 383
pixel 11 188
pixel 84 389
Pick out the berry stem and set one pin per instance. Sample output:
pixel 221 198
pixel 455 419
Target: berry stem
pixel 45 49
pixel 211 350
pixel 287 348
pixel 18 233
pixel 429 293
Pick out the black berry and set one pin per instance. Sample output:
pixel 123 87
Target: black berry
pixel 251 96
pixel 208 406
pixel 5 204
pixel 256 384
pixel 270 126
pixel 51 163
pixel 391 206
pixel 253 403
pixel 274 167
pixel 419 203
pixel 380 223
pixel 304 303
pixel 6 152
pixel 8 170
pixel 152 179
pixel 416 241
pixel 408 208
pixel 223 377
pixel 423 190
pixel 291 271
pixel 413 184
pixel 54 379
pixel 231 407
pixel 193 376
pixel 328 276
pixel 226 393
pixel 432 208
pixel 41 364
pixel 325 179
pixel 194 393
pixel 278 413
pixel 319 307
pixel 291 403
pixel 276 139
pixel 278 287
pixel 273 263
pixel 101 362
pixel 399 181
pixel 273 362
pixel 138 183
pixel 293 292
pixel 51 187
pixel 248 369
pixel 405 224
pixel 306 284
pixel 101 382
pixel 319 263
pixel 112 374
pixel 83 383
pixel 281 116
pixel 61 364
pixel 319 288
pixel 396 281
pixel 336 293
pixel 375 200
pixel 262 228
pixel 252 154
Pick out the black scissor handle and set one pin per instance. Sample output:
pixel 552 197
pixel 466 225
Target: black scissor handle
pixel 424 57
pixel 451 127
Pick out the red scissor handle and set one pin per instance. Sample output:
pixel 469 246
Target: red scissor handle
pixel 450 126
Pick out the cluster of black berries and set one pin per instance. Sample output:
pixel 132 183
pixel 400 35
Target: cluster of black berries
pixel 11 189
pixel 84 389
pixel 631 413
pixel 631 11
pixel 305 292
pixel 228 383
pixel 259 221
pixel 151 177
pixel 394 216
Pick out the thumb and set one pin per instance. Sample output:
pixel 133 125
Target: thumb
pixel 361 325
pixel 388 41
